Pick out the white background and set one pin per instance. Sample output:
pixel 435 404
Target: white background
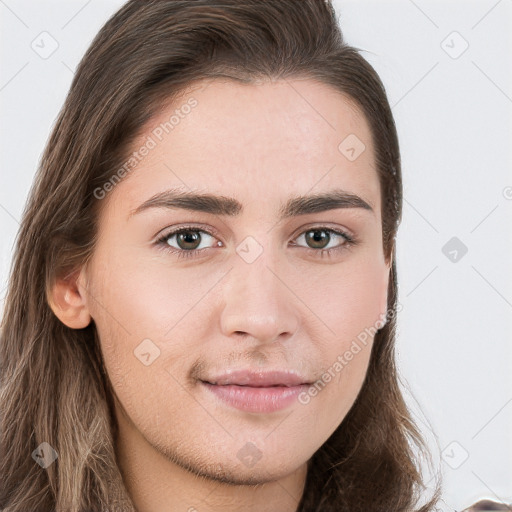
pixel 453 110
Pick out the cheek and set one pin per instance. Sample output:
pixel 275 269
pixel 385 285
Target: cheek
pixel 144 313
pixel 146 297
pixel 346 299
pixel 348 303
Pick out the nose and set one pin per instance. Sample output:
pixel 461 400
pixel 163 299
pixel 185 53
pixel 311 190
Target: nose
pixel 259 303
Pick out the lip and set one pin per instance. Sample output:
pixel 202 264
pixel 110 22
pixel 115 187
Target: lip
pixel 259 379
pixel 258 392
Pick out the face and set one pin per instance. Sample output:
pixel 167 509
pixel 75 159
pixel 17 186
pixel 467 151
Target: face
pixel 213 337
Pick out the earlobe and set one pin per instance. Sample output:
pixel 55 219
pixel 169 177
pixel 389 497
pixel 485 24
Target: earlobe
pixel 68 302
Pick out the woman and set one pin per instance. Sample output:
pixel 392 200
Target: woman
pixel 255 369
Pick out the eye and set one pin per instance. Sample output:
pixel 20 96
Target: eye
pixel 319 238
pixel 188 240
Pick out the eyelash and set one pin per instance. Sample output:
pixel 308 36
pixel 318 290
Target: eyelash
pixel 161 242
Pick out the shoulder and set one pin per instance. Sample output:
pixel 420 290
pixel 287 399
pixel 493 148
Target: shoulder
pixel 488 506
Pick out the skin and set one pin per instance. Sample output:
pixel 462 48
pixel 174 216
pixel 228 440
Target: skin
pixel 288 309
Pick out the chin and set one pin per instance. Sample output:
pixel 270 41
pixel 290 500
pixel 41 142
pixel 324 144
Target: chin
pixel 238 473
pixel 234 465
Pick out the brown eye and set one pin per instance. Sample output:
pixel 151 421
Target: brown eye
pixel 317 238
pixel 187 241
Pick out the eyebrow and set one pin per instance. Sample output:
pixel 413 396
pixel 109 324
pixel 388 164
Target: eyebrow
pixel 228 206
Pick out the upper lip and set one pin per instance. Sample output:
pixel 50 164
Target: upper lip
pixel 258 378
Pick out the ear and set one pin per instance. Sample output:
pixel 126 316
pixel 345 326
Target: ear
pixel 385 286
pixel 67 300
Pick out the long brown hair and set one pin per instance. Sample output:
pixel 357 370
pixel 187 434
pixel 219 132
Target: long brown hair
pixel 53 386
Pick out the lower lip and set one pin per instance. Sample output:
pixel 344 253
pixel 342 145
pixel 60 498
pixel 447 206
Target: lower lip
pixel 253 399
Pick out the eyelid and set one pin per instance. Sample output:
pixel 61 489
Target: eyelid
pixel 167 232
pixel 350 239
pixel 213 232
pixel 327 226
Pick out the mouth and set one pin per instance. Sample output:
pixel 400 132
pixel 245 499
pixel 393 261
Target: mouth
pixel 255 379
pixel 256 392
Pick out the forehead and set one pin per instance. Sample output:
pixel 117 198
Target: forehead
pixel 257 142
